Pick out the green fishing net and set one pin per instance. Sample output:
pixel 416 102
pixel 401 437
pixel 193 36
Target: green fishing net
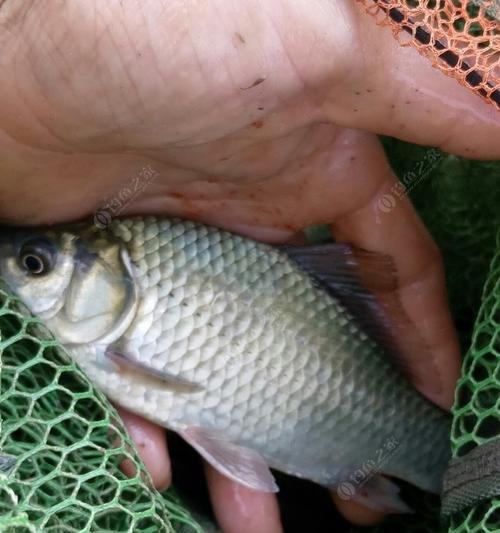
pixel 67 442
pixel 477 409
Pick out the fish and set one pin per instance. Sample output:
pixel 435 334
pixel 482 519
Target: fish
pixel 259 356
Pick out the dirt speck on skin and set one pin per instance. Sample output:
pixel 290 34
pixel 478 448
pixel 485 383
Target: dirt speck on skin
pixel 258 81
pixel 176 194
pixel 240 37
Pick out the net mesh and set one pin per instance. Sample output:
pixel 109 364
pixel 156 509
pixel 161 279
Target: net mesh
pixel 67 443
pixel 477 409
pixel 460 37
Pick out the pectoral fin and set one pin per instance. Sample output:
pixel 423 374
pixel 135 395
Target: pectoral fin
pixel 238 463
pixel 127 364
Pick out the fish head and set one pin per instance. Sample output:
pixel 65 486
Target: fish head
pixel 77 279
pixel 38 266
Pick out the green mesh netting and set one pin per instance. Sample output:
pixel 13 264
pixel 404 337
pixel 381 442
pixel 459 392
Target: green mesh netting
pixel 68 444
pixel 476 412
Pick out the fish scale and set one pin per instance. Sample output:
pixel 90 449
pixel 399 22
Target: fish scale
pixel 259 276
pixel 283 368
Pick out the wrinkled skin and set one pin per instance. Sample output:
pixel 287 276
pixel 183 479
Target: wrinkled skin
pixel 256 115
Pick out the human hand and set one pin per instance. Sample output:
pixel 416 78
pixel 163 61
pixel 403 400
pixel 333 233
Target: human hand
pixel 257 116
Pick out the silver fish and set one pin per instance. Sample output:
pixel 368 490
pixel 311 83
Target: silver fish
pixel 234 345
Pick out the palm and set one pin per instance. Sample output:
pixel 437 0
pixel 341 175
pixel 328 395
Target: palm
pixel 240 110
pixel 135 84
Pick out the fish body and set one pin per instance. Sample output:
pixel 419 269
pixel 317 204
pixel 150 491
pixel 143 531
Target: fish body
pixel 232 344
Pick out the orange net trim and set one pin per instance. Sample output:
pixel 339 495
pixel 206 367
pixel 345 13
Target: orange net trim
pixel 462 38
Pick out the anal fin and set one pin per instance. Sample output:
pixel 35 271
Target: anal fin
pixel 241 464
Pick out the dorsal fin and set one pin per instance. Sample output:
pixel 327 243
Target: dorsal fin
pixel 366 284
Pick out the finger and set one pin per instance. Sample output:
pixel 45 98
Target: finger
pixel 396 91
pixel 242 510
pixel 356 513
pixel 399 233
pixel 151 443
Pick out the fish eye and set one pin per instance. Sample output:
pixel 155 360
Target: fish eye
pixel 36 257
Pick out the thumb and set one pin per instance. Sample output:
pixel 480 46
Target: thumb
pixel 397 92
